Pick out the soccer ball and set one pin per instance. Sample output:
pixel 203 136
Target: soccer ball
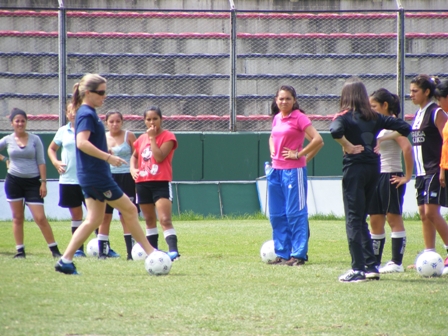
pixel 158 263
pixel 92 248
pixel 138 253
pixel 267 252
pixel 429 264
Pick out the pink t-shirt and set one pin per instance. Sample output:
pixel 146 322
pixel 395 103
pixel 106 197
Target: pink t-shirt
pixel 289 132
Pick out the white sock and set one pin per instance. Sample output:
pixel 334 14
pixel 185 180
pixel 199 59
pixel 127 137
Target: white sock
pixel 151 232
pixel 169 232
pixel 103 237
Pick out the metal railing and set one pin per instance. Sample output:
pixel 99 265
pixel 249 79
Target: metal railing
pixel 211 70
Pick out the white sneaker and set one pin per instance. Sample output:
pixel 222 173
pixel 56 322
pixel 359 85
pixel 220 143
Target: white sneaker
pixel 391 267
pixel 445 271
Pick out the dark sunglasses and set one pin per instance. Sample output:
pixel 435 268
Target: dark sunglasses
pixel 100 93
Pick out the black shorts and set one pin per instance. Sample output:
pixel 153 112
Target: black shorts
pixel 429 191
pixel 387 198
pixel 151 192
pixel 127 184
pixel 23 189
pixel 110 191
pixel 70 196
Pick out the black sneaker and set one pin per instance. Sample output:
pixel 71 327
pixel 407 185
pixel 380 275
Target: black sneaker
pixel 56 254
pixel 372 273
pixel 295 262
pixel 353 276
pixel 20 255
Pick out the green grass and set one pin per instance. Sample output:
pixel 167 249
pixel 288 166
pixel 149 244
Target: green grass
pixel 218 287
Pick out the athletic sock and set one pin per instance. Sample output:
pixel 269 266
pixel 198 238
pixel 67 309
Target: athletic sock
pixel 378 242
pixel 398 246
pixel 171 239
pixel 54 248
pixel 103 244
pixel 152 235
pixel 128 242
pixel 20 248
pixel 75 226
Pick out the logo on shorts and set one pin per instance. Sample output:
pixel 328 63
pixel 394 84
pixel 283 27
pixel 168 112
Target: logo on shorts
pixel 107 194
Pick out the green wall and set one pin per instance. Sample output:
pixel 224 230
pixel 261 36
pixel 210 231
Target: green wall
pixel 215 173
pixel 225 157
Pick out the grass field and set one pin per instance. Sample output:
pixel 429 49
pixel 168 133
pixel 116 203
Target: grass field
pixel 218 287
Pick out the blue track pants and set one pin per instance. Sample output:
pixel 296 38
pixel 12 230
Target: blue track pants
pixel 287 192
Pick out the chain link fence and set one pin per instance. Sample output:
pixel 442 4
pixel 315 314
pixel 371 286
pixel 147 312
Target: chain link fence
pixel 182 61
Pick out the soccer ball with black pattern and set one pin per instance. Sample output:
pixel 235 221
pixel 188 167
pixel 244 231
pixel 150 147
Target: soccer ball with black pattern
pixel 158 263
pixel 138 253
pixel 267 252
pixel 429 264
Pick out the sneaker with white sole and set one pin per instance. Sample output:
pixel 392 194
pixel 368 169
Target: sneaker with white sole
pixel 372 273
pixel 353 276
pixel 66 268
pixel 445 271
pixel 391 267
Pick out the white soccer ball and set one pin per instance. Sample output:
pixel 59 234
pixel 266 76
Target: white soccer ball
pixel 92 248
pixel 138 253
pixel 429 264
pixel 267 252
pixel 158 263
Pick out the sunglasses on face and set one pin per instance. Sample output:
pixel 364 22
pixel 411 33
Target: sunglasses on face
pixel 100 92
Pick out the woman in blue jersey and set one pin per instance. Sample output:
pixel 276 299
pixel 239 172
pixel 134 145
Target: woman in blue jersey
pixel 427 131
pixel 120 143
pixel 94 176
pixel 70 192
pixel 26 181
pixel 387 202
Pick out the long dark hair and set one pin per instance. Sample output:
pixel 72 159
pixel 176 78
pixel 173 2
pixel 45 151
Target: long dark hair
pixel 441 90
pixel 274 108
pixel 426 82
pixel 384 96
pixel 354 97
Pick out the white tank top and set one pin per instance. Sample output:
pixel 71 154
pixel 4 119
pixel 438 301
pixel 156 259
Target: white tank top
pixel 390 152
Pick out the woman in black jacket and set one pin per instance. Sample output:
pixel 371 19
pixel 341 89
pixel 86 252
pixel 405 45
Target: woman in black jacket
pixel 356 128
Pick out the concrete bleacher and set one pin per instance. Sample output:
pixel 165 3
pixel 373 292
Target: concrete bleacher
pixel 180 60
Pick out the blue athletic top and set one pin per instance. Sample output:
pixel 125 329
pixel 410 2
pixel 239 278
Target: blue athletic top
pixel 91 171
pixel 123 151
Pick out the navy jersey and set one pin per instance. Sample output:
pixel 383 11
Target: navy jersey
pixel 359 131
pixel 91 171
pixel 426 140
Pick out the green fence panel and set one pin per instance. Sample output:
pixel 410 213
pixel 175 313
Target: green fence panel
pixel 200 198
pixel 230 156
pixel 187 161
pixel 239 198
pixel 328 162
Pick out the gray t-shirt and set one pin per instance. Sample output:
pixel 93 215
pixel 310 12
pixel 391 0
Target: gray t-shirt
pixel 24 162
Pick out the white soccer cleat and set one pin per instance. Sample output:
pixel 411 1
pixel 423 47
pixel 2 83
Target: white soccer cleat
pixel 445 271
pixel 391 267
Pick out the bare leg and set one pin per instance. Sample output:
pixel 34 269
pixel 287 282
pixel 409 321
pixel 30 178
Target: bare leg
pixel 429 231
pixel 18 217
pixel 377 223
pixel 433 214
pixel 41 220
pixel 130 216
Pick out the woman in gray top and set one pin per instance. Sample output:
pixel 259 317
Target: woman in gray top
pixel 26 181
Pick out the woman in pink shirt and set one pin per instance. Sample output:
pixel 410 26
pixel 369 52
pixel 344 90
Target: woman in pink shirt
pixel 287 181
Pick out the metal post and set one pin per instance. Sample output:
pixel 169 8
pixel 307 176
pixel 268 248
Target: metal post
pixel 400 55
pixel 62 51
pixel 232 88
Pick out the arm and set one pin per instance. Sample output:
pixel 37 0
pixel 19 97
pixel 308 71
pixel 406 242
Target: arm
pixel 52 154
pixel 408 156
pixel 440 122
pixel 84 145
pixel 43 180
pixel 313 146
pixel 348 147
pixel 313 153
pixel 271 147
pixel 134 165
pixel 159 153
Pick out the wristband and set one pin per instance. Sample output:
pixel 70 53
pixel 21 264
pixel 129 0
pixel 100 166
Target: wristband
pixel 42 180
